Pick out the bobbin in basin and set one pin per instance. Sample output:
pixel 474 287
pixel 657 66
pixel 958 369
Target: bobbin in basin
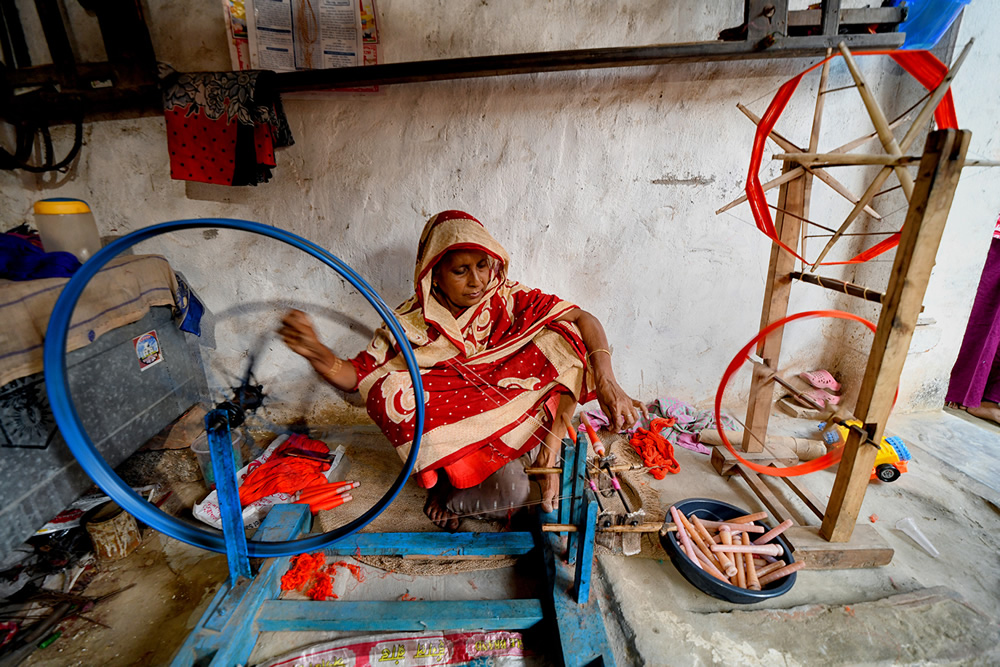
pixel 716 510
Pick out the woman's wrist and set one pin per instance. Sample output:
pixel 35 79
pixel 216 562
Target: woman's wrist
pixel 325 362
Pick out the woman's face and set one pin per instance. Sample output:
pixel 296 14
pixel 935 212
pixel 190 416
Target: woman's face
pixel 462 275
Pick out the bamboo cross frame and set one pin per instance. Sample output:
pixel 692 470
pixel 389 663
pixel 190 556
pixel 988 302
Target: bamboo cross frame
pixel 918 126
pixel 798 171
pixel 827 178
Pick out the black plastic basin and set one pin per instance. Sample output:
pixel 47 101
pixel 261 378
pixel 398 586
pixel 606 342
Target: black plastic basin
pixel 715 510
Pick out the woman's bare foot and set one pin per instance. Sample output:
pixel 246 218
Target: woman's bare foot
pixel 987 410
pixel 436 511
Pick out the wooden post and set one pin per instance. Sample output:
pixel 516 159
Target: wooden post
pixel 921 235
pixel 791 198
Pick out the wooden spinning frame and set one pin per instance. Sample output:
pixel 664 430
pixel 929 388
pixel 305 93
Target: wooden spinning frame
pixel 838 542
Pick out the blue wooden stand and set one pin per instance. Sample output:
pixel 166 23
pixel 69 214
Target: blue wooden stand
pixel 247 604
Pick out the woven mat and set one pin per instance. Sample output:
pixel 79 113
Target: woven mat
pixel 372 461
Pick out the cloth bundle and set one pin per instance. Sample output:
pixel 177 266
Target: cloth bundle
pixel 22 258
pixel 223 127
pixel 689 422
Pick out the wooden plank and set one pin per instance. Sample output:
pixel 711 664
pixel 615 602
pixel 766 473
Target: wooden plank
pixel 582 637
pixel 830 23
pixel 765 19
pixel 393 616
pixel 725 463
pixel 791 198
pixel 764 493
pixel 226 634
pixel 932 196
pixel 584 560
pixel 434 544
pixel 866 548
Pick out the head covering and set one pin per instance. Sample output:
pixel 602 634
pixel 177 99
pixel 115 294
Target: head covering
pixel 445 232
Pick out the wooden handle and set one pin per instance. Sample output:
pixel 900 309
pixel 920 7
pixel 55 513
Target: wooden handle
pixel 770 567
pixel 753 583
pixel 725 564
pixel 781 573
pixel 774 532
pixel 542 471
pixel 766 549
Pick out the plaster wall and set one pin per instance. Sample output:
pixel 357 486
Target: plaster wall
pixel 602 185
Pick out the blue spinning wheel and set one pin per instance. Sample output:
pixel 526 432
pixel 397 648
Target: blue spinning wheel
pixel 94 464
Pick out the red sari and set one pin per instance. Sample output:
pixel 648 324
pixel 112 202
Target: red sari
pixel 488 372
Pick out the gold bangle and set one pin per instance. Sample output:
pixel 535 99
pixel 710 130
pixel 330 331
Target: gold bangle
pixel 334 367
pixel 608 352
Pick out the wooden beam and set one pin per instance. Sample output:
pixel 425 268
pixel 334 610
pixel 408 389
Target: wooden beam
pixel 932 196
pixel 830 23
pixel 725 463
pixel 580 59
pixel 866 549
pixel 764 493
pixel 791 198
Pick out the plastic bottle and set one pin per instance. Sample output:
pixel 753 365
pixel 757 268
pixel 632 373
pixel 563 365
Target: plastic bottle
pixel 67 225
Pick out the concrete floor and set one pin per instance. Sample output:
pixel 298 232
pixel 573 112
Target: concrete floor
pixel 916 610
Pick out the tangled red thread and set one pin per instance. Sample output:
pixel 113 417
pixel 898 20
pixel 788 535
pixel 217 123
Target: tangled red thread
pixel 656 451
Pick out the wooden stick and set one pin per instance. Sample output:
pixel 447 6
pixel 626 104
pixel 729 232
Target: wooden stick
pixel 918 126
pixel 853 159
pixel 698 540
pixel 782 573
pixel 774 532
pixel 725 563
pixel 748 518
pixel 836 185
pixel 542 471
pixel 770 567
pixel 814 139
pixel 765 549
pixel 727 540
pixel 879 120
pixel 570 431
pixel 571 528
pixel 708 566
pixel 748 562
pixel 683 538
pixel 798 171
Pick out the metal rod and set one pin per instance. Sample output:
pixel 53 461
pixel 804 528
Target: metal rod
pixel 579 59
pixel 813 236
pixel 799 217
pixel 839 286
pixel 833 90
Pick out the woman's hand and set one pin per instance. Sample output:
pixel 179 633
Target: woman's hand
pixel 299 335
pixel 621 409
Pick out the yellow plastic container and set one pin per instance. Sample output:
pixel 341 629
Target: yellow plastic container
pixel 67 225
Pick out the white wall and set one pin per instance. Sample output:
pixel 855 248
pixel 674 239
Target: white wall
pixel 601 184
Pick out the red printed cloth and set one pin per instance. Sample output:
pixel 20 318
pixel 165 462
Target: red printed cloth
pixel 487 373
pixel 223 127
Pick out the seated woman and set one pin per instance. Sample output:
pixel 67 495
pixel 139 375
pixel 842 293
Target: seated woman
pixel 501 364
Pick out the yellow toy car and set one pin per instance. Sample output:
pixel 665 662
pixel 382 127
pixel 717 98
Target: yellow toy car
pixel 890 462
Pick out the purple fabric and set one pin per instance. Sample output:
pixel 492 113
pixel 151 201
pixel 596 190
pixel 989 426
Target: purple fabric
pixel 976 374
pixel 22 260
